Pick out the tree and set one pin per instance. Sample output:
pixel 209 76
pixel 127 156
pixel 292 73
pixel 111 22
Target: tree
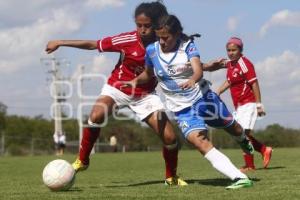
pixel 3 109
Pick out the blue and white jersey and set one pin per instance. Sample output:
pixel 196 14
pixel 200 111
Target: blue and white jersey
pixel 173 69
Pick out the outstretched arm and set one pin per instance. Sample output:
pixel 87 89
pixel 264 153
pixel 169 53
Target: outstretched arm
pixel 223 87
pixel 214 65
pixel 81 44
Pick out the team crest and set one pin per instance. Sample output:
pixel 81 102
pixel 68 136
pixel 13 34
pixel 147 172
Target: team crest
pixel 171 70
pixel 183 125
pixel 235 72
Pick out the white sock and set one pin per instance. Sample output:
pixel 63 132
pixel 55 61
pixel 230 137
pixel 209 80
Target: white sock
pixel 222 163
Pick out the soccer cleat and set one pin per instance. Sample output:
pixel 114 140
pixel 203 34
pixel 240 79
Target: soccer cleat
pixel 247 146
pixel 246 169
pixel 240 183
pixel 175 181
pixel 79 166
pixel 267 156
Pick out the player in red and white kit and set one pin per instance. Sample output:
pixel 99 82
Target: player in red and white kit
pixel 142 100
pixel 245 93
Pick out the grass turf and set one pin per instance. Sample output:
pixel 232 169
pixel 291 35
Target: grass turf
pixel 140 176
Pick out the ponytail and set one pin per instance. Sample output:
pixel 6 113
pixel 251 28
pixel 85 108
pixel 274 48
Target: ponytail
pixel 185 37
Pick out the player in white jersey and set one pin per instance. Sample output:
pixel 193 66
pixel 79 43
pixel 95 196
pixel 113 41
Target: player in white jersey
pixel 175 61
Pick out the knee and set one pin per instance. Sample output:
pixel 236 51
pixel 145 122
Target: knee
pixel 170 139
pixel 96 117
pixel 201 143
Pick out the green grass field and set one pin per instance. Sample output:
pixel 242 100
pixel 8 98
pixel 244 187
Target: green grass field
pixel 140 176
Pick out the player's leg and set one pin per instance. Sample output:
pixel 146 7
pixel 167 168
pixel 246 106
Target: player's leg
pixel 194 130
pixel 236 129
pixel 264 150
pixel 160 123
pixel 149 109
pixel 238 133
pixel 100 111
pixel 216 114
pixel 218 160
pixel 247 115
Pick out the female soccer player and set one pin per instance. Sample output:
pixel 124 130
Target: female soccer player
pixel 175 62
pixel 245 93
pixel 142 100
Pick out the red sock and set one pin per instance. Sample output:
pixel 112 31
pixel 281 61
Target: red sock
pixel 259 147
pixel 171 157
pixel 249 160
pixel 90 135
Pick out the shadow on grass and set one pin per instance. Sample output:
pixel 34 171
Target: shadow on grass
pixel 271 168
pixel 212 182
pixel 138 184
pixel 72 189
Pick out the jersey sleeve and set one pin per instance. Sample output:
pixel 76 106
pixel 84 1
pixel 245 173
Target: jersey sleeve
pixel 114 43
pixel 248 71
pixel 192 50
pixel 106 45
pixel 227 73
pixel 148 60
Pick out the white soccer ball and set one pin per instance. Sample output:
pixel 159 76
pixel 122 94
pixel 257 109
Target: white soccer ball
pixel 58 175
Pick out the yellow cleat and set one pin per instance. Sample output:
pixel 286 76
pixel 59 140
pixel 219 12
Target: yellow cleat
pixel 175 181
pixel 79 166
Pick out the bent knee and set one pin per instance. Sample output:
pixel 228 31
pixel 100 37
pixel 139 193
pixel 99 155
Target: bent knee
pixel 97 117
pixel 170 139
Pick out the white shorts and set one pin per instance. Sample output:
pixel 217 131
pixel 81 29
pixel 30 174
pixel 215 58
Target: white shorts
pixel 142 106
pixel 246 115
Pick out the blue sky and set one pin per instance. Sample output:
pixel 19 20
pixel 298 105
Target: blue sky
pixel 270 31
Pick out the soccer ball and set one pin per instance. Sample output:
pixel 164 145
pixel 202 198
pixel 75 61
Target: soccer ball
pixel 58 175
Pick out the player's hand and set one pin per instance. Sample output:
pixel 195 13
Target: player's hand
pixel 52 46
pixel 187 85
pixel 218 63
pixel 218 92
pixel 260 110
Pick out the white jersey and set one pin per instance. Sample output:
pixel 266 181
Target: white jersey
pixel 173 69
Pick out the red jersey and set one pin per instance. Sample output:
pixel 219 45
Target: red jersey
pixel 131 62
pixel 241 75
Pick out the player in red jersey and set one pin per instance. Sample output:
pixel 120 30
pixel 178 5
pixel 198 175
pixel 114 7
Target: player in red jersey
pixel 245 93
pixel 143 100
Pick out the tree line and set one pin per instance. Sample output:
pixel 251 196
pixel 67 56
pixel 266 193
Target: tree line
pixel 19 131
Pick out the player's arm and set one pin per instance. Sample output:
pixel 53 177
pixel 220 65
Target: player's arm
pixel 251 79
pixel 197 73
pixel 81 44
pixel 256 92
pixel 144 77
pixel 223 87
pixel 214 65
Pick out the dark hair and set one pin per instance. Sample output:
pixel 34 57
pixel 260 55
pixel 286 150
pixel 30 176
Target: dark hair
pixel 173 25
pixel 154 10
